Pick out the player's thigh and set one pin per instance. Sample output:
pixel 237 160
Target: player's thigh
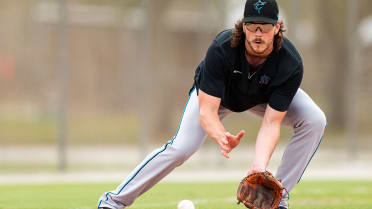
pixel 303 110
pixel 190 133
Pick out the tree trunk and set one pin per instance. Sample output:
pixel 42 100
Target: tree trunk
pixel 333 52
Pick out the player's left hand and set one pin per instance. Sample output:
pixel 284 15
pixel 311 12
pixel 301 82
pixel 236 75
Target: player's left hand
pixel 234 140
pixel 260 190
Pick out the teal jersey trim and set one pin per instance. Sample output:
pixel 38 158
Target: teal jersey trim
pixel 165 147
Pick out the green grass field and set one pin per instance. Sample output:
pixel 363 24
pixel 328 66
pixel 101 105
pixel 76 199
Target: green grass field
pixel 307 195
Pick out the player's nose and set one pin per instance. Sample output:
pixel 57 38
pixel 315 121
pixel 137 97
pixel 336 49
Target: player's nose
pixel 258 32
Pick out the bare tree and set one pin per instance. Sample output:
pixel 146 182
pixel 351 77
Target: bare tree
pixel 158 110
pixel 333 30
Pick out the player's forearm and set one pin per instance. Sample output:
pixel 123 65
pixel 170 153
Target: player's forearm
pixel 266 142
pixel 211 124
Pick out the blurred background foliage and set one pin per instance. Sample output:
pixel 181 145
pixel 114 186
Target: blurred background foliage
pixel 119 71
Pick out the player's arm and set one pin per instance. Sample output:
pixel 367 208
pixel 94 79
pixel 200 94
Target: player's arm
pixel 267 139
pixel 211 123
pixel 276 109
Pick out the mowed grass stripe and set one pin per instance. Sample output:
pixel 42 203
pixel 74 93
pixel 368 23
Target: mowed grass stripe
pixel 307 195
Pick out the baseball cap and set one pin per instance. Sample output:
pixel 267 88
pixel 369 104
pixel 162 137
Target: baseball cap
pixel 266 11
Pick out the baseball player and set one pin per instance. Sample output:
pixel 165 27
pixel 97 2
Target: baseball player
pixel 254 68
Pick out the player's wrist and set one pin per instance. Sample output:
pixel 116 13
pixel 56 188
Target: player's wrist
pixel 219 137
pixel 257 168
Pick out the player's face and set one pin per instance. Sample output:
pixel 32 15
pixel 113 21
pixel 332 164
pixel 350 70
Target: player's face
pixel 259 39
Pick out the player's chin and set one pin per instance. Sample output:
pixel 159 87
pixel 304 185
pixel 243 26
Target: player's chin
pixel 259 52
pixel 257 48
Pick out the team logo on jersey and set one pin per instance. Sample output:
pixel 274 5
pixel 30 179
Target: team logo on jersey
pixel 259 5
pixel 264 80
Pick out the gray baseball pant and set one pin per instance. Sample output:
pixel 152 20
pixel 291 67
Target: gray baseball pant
pixel 306 118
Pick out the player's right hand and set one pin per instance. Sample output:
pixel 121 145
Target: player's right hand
pixel 224 146
pixel 234 140
pixel 229 142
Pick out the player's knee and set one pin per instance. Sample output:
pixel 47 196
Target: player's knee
pixel 180 155
pixel 317 121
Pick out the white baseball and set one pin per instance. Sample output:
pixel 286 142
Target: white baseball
pixel 185 204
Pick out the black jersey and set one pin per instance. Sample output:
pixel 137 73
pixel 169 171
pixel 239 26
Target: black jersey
pixel 226 74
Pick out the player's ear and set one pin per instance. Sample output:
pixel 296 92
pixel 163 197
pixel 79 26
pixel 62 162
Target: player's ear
pixel 244 28
pixel 277 27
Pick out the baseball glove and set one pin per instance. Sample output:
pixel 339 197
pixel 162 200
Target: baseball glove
pixel 260 191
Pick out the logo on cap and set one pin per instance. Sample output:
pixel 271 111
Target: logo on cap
pixel 259 5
